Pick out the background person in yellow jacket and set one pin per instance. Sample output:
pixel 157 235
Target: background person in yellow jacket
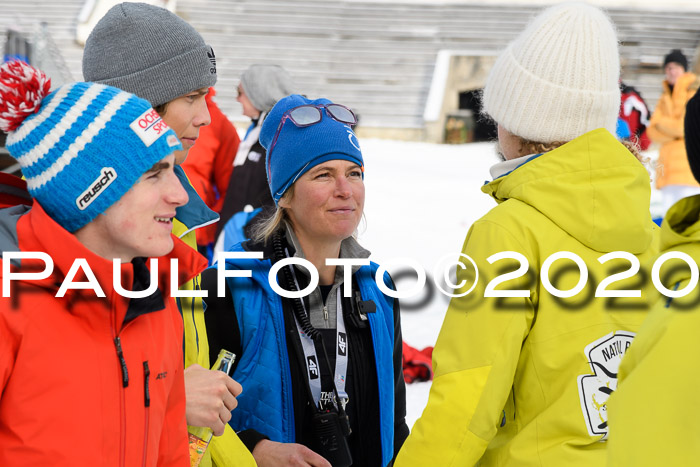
pixel 154 54
pixel 673 175
pixel 525 362
pixel 654 414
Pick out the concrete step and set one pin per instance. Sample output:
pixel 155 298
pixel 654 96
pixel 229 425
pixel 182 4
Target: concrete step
pixel 377 57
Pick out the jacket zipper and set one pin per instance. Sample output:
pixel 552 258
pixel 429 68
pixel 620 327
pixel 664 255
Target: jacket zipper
pixel 335 287
pixel 122 362
pixel 192 309
pixel 147 404
pixel 325 306
pixel 122 403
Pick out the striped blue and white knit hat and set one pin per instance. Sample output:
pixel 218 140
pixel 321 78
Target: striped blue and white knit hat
pixel 82 147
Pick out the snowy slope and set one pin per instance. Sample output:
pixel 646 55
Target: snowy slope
pixel 420 201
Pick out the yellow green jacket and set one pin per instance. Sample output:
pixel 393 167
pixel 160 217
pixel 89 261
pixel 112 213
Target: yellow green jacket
pixel 654 413
pixel 515 382
pixel 225 450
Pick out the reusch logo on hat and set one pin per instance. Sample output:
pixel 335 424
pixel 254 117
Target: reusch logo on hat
pixel 106 177
pixel 149 126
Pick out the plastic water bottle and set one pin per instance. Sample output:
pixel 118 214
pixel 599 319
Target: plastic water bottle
pixel 200 436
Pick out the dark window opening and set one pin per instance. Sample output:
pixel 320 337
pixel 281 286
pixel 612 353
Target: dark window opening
pixel 484 129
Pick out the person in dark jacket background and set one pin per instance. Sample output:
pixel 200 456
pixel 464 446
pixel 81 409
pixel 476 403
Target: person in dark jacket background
pixel 323 370
pixel 260 88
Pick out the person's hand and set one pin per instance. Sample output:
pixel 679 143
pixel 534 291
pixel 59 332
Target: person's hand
pixel 273 454
pixel 210 398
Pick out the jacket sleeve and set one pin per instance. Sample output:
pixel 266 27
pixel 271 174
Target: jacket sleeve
pixel 228 449
pixel 223 163
pixel 646 371
pixel 8 348
pixel 400 427
pixel 219 316
pixel 660 124
pixel 664 127
pixel 475 359
pixel 669 128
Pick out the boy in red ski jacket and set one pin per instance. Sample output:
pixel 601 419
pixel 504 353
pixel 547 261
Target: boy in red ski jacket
pixel 90 338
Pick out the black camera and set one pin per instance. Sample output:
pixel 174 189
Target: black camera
pixel 331 435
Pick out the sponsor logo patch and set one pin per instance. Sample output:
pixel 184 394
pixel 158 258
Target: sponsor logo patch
pixel 106 177
pixel 149 126
pixel 326 399
pixel 212 60
pixel 352 138
pixel 172 140
pixel 342 343
pixel 313 367
pixel 604 356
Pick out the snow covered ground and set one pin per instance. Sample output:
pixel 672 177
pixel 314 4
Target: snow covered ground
pixel 420 201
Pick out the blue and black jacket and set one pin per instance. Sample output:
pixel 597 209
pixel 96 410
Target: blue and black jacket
pixel 258 325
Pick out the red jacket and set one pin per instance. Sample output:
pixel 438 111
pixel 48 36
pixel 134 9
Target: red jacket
pixel 635 112
pixel 13 191
pixel 210 162
pixel 77 386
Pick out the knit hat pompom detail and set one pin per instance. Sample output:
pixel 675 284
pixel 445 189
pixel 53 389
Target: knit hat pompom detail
pixel 22 88
pixel 84 145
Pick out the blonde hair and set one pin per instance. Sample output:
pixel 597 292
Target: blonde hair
pixel 263 231
pixel 533 147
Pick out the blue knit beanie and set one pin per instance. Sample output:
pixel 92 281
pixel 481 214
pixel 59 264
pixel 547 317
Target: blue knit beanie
pixel 81 147
pixel 300 149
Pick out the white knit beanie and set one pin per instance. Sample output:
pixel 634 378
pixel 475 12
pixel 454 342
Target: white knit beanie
pixel 559 78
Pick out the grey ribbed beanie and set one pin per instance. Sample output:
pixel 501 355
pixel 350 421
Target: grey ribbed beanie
pixel 559 78
pixel 265 85
pixel 148 51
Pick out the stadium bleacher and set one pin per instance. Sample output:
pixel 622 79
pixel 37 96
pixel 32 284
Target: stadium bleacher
pixel 376 57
